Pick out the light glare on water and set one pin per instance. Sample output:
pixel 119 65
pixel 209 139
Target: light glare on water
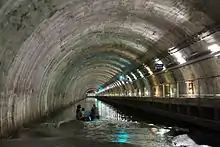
pixel 113 127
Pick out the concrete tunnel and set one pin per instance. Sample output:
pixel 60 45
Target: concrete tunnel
pixel 53 52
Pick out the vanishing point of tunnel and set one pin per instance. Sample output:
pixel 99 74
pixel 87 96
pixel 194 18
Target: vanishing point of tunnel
pixel 53 52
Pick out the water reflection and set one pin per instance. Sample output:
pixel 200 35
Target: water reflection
pixel 112 130
pixel 107 112
pixel 123 130
pixel 115 127
pixel 121 136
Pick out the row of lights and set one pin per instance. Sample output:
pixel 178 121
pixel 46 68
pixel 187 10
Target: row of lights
pixel 123 79
pixel 126 78
pixel 175 52
pixel 214 48
pixel 208 38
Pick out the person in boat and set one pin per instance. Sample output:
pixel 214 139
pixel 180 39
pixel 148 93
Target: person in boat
pixel 79 115
pixel 94 113
pixel 85 115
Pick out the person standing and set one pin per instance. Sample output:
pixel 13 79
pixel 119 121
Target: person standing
pixel 94 113
pixel 79 113
pixel 83 114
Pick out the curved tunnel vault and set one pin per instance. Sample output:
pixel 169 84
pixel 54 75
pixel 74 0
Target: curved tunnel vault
pixel 53 52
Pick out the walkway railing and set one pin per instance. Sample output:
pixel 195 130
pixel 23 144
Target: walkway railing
pixel 198 88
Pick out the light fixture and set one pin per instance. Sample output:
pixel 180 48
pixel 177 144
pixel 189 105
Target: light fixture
pixel 179 57
pixel 217 55
pixel 148 69
pixel 121 77
pixel 158 61
pixel 129 78
pixel 172 50
pixel 140 73
pixel 214 48
pixel 119 83
pixel 134 75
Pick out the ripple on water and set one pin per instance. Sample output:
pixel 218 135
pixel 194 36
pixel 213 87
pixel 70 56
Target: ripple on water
pixel 141 134
pixel 108 133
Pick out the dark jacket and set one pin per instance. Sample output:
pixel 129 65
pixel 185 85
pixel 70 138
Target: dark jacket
pixel 78 114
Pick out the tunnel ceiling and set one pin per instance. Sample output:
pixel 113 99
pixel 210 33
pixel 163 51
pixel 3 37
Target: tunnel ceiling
pixel 62 48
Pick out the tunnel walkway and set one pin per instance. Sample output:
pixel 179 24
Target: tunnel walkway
pixel 184 100
pixel 200 112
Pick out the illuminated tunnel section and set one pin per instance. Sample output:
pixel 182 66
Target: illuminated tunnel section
pixel 53 52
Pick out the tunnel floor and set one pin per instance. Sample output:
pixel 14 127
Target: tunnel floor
pixel 117 127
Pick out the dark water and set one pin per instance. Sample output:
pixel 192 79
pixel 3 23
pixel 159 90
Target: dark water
pixel 114 129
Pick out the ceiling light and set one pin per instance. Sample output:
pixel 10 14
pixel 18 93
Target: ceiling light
pixel 129 78
pixel 172 50
pixel 134 75
pixel 179 57
pixel 140 73
pixel 149 70
pixel 214 48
